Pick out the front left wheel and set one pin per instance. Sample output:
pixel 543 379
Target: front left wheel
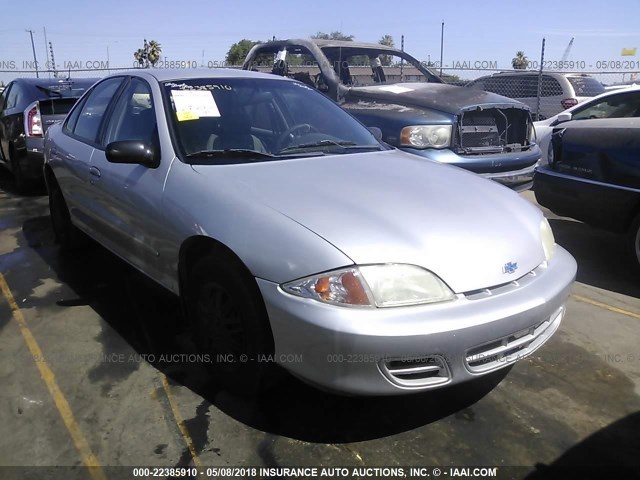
pixel 230 324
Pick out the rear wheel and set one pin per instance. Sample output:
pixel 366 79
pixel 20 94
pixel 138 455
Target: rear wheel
pixel 230 323
pixel 633 241
pixel 19 180
pixel 66 233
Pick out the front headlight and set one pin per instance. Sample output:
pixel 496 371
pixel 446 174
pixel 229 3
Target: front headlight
pixel 388 285
pixel 532 133
pixel 426 136
pixel 548 242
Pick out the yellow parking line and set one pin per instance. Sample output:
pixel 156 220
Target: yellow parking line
pixel 180 421
pixel 611 308
pixel 81 444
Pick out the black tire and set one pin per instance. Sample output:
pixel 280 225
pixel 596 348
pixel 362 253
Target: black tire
pixel 66 233
pixel 633 242
pixel 229 322
pixel 19 180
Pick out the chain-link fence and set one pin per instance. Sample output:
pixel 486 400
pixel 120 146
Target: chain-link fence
pixel 546 93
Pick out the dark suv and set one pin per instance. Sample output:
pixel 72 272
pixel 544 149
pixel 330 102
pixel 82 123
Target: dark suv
pixel 28 106
pixel 386 88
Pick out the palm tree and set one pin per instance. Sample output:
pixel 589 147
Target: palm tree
pixel 388 41
pixel 139 55
pixel 520 61
pixel 149 54
pixel 154 52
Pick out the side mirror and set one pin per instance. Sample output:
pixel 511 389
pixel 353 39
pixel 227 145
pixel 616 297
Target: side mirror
pixel 133 151
pixel 564 117
pixel 376 132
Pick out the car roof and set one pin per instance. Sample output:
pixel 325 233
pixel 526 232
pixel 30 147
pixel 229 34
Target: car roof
pixel 52 81
pixel 322 43
pixel 349 44
pixel 164 75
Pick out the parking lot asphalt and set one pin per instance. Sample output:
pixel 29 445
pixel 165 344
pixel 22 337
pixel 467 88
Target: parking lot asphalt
pixel 96 370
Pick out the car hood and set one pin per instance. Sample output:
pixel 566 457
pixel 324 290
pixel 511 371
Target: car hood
pixel 392 207
pixel 446 98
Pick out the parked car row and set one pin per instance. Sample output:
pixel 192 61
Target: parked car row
pixel 387 88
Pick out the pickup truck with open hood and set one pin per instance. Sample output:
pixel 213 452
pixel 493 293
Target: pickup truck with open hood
pixel 415 110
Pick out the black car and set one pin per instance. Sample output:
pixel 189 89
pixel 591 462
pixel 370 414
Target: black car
pixel 386 88
pixel 28 106
pixel 594 175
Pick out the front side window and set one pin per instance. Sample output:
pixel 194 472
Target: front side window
pixel 268 118
pixel 93 109
pixel 133 117
pixel 615 106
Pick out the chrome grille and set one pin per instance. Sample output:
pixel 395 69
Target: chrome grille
pixel 504 287
pixel 511 348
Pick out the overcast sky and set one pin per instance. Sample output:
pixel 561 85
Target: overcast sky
pixel 202 31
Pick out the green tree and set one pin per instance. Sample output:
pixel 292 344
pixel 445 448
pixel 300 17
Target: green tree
pixel 238 51
pixel 333 36
pixel 388 41
pixel 520 61
pixel 154 53
pixel 149 54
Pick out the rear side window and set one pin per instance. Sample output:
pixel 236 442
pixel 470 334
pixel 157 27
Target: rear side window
pixel 550 87
pixel 586 86
pixel 91 112
pixel 497 85
pixel 12 96
pixel 512 86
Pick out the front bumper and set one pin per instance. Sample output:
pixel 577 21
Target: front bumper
pixel 514 170
pixel 409 349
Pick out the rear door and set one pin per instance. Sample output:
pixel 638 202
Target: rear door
pixel 10 120
pixel 70 154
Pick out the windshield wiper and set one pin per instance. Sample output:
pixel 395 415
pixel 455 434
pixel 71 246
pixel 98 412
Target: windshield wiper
pixel 230 153
pixel 345 145
pixel 241 153
pixel 49 91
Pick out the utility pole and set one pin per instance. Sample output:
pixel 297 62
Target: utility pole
pixel 53 61
pixel 33 47
pixel 46 53
pixel 441 46
pixel 401 59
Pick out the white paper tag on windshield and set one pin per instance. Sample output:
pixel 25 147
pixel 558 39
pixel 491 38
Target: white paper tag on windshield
pixel 193 104
pixel 396 89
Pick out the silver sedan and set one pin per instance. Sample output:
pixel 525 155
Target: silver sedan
pixel 294 237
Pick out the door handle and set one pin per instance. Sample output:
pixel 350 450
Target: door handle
pixel 95 171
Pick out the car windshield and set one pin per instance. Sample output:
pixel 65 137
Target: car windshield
pixel 586 86
pixel 243 119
